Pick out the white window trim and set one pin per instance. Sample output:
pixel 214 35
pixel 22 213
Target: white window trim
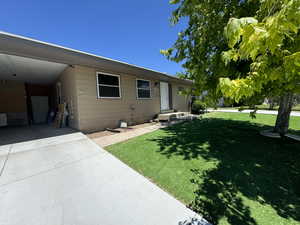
pixel 98 85
pixel 137 89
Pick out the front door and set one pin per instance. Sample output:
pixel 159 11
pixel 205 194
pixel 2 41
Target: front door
pixel 40 108
pixel 164 96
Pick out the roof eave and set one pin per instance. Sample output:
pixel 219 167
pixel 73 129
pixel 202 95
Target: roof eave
pixel 26 47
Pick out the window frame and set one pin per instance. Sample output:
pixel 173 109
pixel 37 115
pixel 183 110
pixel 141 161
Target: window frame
pixel 98 85
pixel 137 89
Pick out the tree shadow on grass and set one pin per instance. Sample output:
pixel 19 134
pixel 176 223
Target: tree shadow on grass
pixel 263 170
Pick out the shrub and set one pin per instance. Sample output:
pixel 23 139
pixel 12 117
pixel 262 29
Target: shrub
pixel 198 107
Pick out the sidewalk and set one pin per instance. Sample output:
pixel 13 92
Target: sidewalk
pixel 119 137
pixel 270 112
pixel 138 130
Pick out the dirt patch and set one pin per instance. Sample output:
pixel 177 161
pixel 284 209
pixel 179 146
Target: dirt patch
pixel 118 130
pixel 99 134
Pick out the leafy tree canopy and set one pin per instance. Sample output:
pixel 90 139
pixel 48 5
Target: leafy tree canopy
pixel 199 47
pixel 271 42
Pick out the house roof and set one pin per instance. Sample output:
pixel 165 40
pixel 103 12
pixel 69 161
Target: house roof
pixel 27 47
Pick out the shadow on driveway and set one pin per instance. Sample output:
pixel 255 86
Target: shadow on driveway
pixel 13 135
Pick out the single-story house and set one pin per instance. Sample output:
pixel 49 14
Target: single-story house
pixel 35 77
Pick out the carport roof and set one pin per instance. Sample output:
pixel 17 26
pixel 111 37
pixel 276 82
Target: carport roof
pixel 21 46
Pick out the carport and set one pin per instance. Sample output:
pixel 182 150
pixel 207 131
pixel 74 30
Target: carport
pixel 29 90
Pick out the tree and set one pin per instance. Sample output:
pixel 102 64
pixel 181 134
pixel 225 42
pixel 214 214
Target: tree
pixel 271 41
pixel 273 101
pixel 199 47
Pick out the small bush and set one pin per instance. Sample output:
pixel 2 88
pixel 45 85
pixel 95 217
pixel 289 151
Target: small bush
pixel 198 107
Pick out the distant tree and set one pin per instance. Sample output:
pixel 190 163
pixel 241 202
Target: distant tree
pixel 273 101
pixel 271 41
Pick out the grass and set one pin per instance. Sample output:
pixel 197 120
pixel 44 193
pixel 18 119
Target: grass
pixel 263 107
pixel 223 168
pixel 295 108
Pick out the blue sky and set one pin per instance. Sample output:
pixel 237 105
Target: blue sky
pixel 132 31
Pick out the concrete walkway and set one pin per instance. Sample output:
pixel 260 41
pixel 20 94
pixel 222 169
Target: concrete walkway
pixel 69 180
pixel 119 137
pixel 270 112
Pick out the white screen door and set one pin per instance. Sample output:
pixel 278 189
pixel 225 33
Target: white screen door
pixel 164 96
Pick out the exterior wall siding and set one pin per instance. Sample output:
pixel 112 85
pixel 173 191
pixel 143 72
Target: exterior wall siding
pixel 13 102
pixel 100 113
pixel 69 95
pixel 89 113
pixel 12 97
pixel 180 102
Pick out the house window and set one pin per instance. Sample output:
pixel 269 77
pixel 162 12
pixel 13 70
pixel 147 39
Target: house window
pixel 143 89
pixel 108 85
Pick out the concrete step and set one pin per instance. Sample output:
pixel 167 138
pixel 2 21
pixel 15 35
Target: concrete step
pixel 171 116
pixel 167 111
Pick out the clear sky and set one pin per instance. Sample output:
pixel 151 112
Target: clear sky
pixel 132 31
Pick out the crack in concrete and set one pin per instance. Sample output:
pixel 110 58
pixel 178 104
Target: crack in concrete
pixel 5 161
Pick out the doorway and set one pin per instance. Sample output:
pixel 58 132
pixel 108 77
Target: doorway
pixel 164 96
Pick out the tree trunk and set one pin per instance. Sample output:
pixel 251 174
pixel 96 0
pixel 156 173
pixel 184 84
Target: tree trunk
pixel 284 111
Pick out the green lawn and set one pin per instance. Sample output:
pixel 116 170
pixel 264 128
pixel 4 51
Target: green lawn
pixel 263 107
pixel 223 168
pixel 295 108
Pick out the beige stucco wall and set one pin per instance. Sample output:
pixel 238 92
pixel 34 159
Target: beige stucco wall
pixel 98 114
pixel 12 97
pixel 89 113
pixel 180 102
pixel 68 84
pixel 13 102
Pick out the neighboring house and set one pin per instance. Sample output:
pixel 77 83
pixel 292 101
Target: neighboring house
pixel 99 92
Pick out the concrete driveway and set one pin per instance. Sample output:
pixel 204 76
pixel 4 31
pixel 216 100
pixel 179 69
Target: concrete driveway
pixel 69 180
